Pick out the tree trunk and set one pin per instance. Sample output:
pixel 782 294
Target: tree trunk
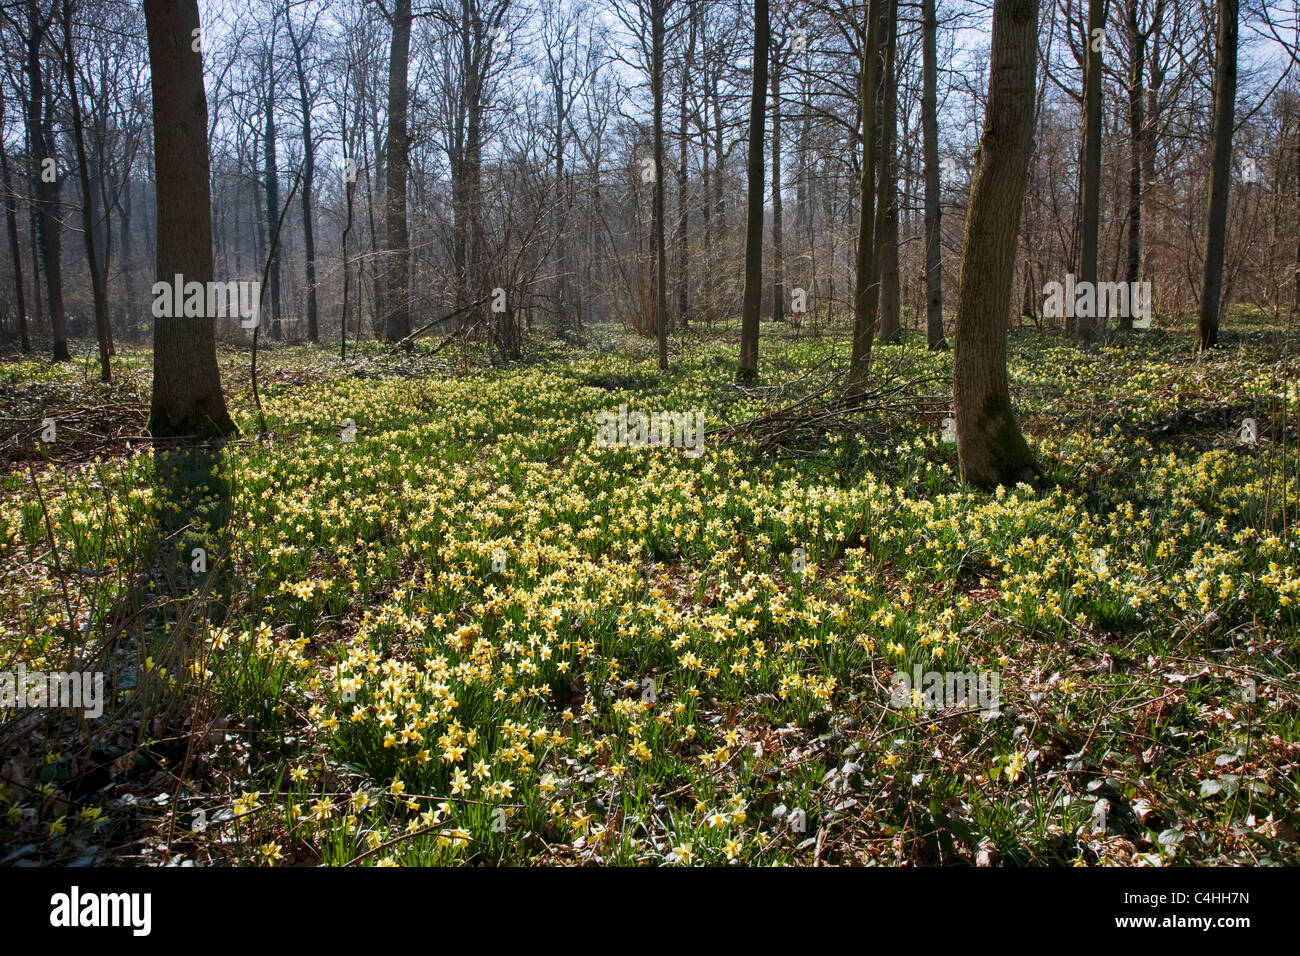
pixel 98 292
pixel 45 172
pixel 683 184
pixel 1216 213
pixel 308 178
pixel 747 371
pixel 1091 327
pixel 15 248
pixel 1137 41
pixel 887 189
pixel 778 236
pixel 187 398
pixel 33 231
pixel 272 187
pixel 397 306
pixel 661 255
pixel 930 145
pixel 990 447
pixel 866 290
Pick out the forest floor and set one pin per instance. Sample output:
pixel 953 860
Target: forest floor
pixel 468 633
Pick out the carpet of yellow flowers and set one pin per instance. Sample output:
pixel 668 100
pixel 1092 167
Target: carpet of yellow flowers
pixel 466 633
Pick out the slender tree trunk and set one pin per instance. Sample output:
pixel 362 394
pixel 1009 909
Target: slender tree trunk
pixel 661 254
pixel 562 215
pixel 1295 289
pixel 308 193
pixel 752 300
pixel 887 189
pixel 990 447
pixel 397 306
pixel 1216 212
pixel 1091 328
pixel 778 224
pixel 930 145
pixel 127 298
pixel 272 187
pixel 476 255
pixel 349 189
pixel 866 290
pixel 47 179
pixel 98 293
pixel 683 184
pixel 15 247
pixel 187 398
pixel 1137 41
pixel 38 304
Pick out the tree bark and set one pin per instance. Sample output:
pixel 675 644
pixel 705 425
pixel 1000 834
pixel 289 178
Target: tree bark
pixel 41 142
pixel 747 372
pixel 187 397
pixel 887 188
pixel 272 195
pixel 1091 328
pixel 1216 212
pixel 866 289
pixel 683 185
pixel 98 292
pixel 930 145
pixel 1137 41
pixel 990 447
pixel 308 180
pixel 661 253
pixel 397 307
pixel 778 225
pixel 15 247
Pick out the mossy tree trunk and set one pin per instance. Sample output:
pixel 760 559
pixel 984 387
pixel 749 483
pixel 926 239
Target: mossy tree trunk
pixel 990 446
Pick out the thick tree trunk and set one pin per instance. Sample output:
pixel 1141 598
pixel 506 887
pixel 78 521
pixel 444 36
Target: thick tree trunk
pixel 187 398
pixel 751 302
pixel 1216 212
pixel 990 447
